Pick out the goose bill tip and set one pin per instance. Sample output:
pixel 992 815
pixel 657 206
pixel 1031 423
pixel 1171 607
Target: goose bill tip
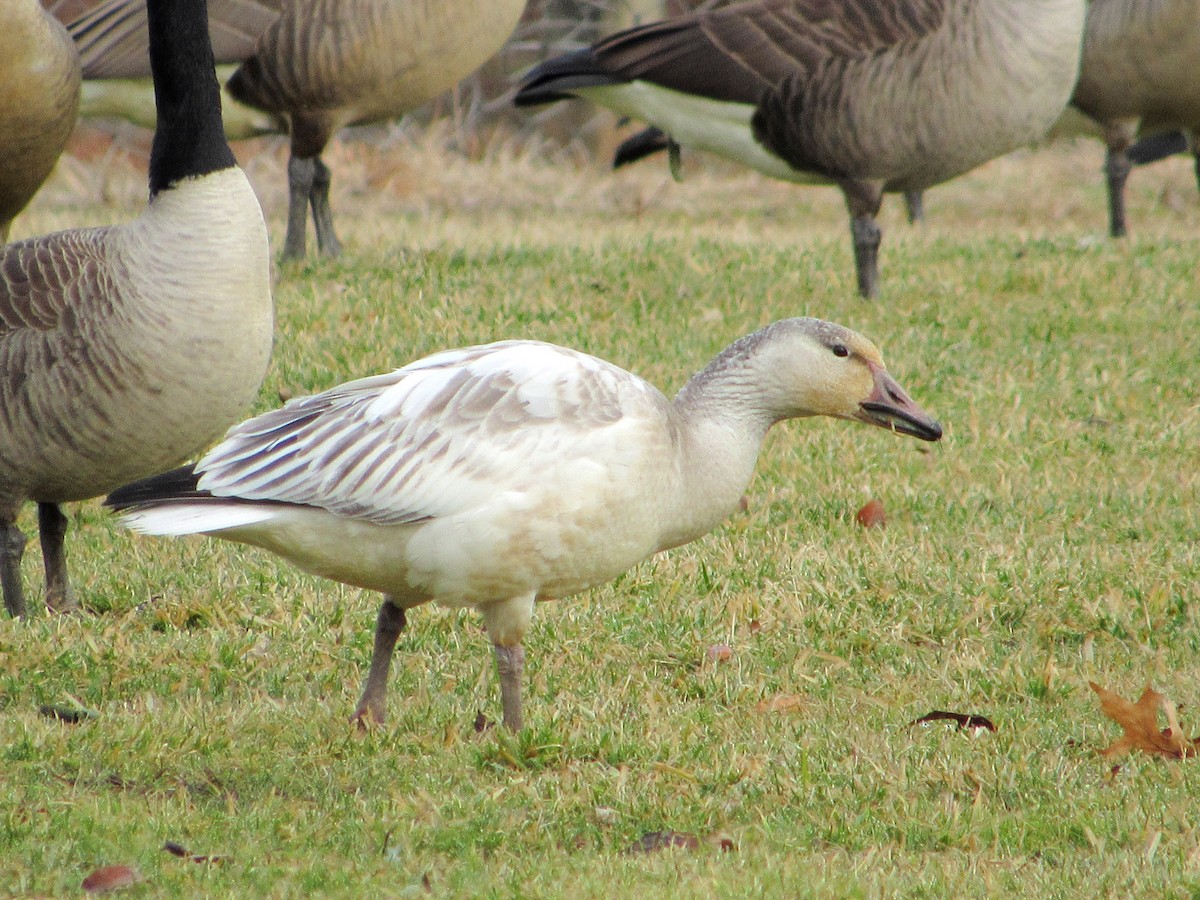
pixel 905 418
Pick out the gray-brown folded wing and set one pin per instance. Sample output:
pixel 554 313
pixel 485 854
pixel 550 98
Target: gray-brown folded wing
pixel 737 52
pixel 795 115
pixel 53 292
pixel 111 35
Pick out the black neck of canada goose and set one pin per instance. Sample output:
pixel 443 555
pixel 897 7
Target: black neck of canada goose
pixel 189 140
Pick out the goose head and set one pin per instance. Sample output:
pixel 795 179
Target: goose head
pixel 809 367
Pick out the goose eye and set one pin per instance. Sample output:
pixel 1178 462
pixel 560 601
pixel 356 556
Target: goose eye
pixel 840 350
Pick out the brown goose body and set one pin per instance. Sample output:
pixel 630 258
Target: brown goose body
pixel 39 98
pixel 1140 74
pixel 320 65
pixel 326 64
pixel 870 95
pixel 127 348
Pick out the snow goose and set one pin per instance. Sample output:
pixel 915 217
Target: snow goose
pixel 39 74
pixel 498 475
pixel 322 65
pixel 869 95
pixel 124 350
pixel 1140 74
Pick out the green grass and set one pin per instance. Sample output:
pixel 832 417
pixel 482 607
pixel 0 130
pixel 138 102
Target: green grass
pixel 1051 538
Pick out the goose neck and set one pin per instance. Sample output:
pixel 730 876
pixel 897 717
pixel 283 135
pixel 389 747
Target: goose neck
pixel 189 140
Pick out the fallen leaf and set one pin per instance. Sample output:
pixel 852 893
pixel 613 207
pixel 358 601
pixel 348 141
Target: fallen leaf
pixel 73 713
pixel 722 842
pixel 720 653
pixel 183 853
pixel 1139 721
pixel 654 841
pixel 780 703
pixel 110 878
pixel 963 720
pixel 871 515
pixel 483 723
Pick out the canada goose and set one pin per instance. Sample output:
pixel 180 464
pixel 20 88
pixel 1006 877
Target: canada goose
pixel 125 349
pixel 497 475
pixel 1140 74
pixel 870 95
pixel 326 64
pixel 39 75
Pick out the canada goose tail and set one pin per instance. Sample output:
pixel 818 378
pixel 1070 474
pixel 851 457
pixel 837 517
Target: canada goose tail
pixel 1158 146
pixel 253 84
pixel 189 140
pixel 558 78
pixel 645 143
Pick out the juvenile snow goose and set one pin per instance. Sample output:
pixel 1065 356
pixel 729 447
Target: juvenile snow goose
pixel 869 95
pixel 124 350
pixel 498 475
pixel 39 98
pixel 326 64
pixel 1140 74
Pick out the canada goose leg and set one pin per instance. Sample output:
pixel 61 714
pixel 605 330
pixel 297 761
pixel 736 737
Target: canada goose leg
pixel 372 707
pixel 12 547
pixel 506 623
pixel 1116 169
pixel 327 241
pixel 867 237
pixel 300 186
pixel 52 527
pixel 914 203
pixel 863 199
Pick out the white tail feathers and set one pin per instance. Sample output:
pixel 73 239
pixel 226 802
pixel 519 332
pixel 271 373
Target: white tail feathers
pixel 195 518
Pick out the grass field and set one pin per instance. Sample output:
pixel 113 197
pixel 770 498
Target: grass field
pixel 1052 538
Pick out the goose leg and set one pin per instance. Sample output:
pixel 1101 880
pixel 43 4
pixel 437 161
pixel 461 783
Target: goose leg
pixel 12 547
pixel 372 707
pixel 510 664
pixel 867 237
pixel 327 241
pixel 863 199
pixel 506 622
pixel 52 527
pixel 914 202
pixel 300 187
pixel 1116 169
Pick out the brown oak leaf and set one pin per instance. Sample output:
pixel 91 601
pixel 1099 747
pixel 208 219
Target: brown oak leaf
pixel 1140 724
pixel 110 878
pixel 962 720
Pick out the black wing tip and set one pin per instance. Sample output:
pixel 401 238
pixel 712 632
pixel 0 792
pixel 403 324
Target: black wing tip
pixel 556 78
pixel 173 485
